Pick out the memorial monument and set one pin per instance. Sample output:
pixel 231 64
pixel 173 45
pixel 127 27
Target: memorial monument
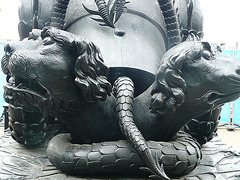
pixel 120 87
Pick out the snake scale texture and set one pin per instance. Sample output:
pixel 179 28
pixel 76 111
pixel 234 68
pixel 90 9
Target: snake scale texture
pixel 170 18
pixel 58 14
pixel 176 157
pixel 124 90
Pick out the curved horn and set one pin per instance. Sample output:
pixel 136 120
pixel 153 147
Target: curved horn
pixel 171 22
pixel 58 14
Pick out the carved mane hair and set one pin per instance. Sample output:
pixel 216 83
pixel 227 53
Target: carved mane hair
pixel 168 92
pixel 91 72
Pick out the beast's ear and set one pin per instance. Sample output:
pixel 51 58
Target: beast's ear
pixel 91 74
pixel 90 71
pixel 35 33
pixel 207 46
pixel 169 87
pixel 177 60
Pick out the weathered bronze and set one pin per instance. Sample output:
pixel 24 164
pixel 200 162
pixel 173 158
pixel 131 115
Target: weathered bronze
pixel 125 78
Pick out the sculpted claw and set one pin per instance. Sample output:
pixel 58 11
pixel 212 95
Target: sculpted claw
pixel 154 166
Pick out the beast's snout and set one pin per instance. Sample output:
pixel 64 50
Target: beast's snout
pixel 9 49
pixel 12 61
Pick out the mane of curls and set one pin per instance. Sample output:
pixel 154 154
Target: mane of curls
pixel 90 71
pixel 91 75
pixel 169 87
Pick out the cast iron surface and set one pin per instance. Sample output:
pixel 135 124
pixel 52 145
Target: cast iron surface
pixel 204 127
pixel 219 161
pixel 173 99
pixel 178 157
pixel 55 75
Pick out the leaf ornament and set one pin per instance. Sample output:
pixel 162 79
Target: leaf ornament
pixel 109 12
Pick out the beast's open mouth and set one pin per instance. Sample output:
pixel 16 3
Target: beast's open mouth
pixel 19 91
pixel 28 85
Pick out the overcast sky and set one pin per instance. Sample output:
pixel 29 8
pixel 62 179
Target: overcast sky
pixel 9 19
pixel 221 20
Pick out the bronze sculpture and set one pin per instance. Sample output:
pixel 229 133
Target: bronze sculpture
pixel 187 84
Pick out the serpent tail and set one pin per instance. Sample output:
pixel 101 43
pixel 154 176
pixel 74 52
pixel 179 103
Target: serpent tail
pixel 58 14
pixel 171 22
pixel 179 157
pixel 124 92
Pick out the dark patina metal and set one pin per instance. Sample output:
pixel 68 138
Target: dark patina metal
pixel 124 78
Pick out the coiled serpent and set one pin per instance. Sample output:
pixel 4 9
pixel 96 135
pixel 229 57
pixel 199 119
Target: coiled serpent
pixel 176 157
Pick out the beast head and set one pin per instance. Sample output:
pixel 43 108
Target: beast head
pixel 197 76
pixel 54 69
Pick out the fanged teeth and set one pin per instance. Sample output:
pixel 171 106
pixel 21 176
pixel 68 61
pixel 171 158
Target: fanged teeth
pixel 27 85
pixel 11 80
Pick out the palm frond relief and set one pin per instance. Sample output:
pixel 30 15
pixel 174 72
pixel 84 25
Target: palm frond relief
pixel 109 12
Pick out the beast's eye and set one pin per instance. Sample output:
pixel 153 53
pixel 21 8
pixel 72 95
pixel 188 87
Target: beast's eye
pixel 48 41
pixel 219 49
pixel 207 54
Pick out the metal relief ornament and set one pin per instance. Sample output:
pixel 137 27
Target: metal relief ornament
pixel 123 97
pixel 109 12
